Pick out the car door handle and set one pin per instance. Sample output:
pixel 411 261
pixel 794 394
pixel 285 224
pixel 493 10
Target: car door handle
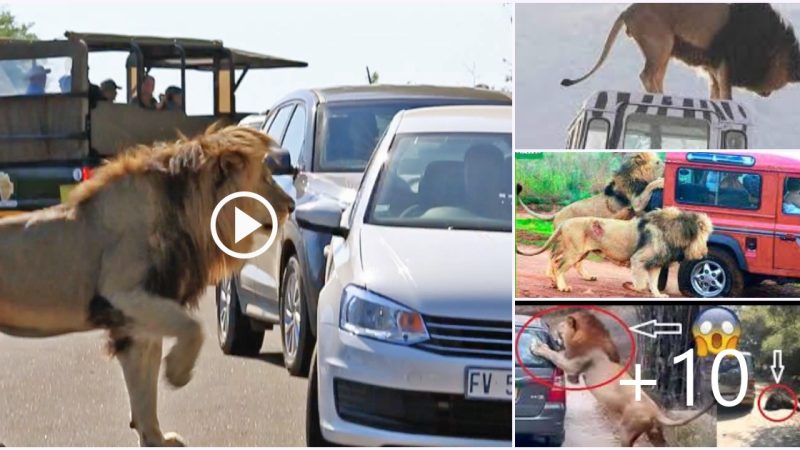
pixel 788 237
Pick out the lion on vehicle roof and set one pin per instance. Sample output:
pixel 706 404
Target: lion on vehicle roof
pixel 745 45
pixel 626 195
pixel 649 244
pixel 132 252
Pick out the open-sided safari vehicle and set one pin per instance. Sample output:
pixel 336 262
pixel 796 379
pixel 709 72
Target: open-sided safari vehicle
pixel 622 120
pixel 53 129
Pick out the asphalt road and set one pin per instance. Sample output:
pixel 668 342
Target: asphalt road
pixel 66 391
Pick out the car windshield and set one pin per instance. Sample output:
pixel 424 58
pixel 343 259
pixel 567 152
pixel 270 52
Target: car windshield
pixel 445 180
pixel 533 337
pixel 35 76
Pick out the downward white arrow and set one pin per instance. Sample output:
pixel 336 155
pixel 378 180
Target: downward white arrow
pixel 777 362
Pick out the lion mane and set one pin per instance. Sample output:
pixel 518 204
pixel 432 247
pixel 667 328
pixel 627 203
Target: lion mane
pixel 675 235
pixel 632 177
pixel 589 333
pixel 184 258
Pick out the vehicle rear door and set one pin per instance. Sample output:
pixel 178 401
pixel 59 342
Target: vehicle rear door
pixel 531 396
pixel 787 227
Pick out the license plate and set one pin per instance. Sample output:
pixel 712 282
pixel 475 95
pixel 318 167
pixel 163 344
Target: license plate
pixel 489 384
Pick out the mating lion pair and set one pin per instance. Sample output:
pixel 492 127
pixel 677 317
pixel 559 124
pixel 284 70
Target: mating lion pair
pixel 131 252
pixel 589 351
pixel 611 224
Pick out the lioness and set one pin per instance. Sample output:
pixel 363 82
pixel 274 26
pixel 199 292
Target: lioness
pixel 589 351
pixel 625 196
pixel 132 252
pixel 742 44
pixel 649 243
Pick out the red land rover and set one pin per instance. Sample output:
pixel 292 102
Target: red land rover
pixel 750 198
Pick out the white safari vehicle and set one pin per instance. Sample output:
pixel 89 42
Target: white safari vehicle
pixel 623 120
pixel 414 335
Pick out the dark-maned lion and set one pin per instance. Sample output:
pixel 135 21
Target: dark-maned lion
pixel 745 45
pixel 625 196
pixel 131 252
pixel 589 351
pixel 649 243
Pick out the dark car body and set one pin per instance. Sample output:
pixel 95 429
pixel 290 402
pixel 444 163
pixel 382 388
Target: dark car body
pixel 539 409
pixel 346 122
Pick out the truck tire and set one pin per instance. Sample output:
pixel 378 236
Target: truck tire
pixel 716 275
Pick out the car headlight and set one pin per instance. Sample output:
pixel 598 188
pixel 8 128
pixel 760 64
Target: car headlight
pixel 368 314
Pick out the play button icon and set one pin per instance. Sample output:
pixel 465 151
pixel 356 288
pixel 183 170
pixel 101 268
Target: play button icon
pixel 243 224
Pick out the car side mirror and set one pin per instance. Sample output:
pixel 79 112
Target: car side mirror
pixel 323 216
pixel 279 162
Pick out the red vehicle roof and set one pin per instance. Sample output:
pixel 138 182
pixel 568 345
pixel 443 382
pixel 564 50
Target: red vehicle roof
pixel 765 162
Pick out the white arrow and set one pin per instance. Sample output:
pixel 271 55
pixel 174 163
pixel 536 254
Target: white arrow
pixel 777 362
pixel 658 328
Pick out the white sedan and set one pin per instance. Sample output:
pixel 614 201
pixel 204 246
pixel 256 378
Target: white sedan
pixel 414 322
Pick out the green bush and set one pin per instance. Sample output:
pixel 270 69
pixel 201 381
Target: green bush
pixel 558 179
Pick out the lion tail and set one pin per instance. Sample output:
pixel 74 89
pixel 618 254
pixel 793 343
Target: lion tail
pixel 612 36
pixel 670 422
pixel 544 246
pixel 540 216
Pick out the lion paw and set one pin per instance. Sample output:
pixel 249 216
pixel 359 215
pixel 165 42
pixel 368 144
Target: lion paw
pixel 565 289
pixel 172 439
pixel 660 295
pixel 178 373
pixel 539 349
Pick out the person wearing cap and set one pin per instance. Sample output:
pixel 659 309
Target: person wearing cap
pixel 173 99
pixel 37 80
pixel 144 97
pixel 109 90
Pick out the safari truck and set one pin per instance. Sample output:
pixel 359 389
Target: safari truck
pixel 55 127
pixel 749 198
pixel 623 120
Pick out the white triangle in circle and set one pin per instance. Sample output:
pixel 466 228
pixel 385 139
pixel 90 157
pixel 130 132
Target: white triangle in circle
pixel 243 225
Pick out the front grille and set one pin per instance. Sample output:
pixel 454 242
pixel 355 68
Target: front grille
pixel 468 337
pixel 422 412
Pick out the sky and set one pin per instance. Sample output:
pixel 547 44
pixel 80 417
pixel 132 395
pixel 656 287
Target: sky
pixel 555 41
pixel 454 44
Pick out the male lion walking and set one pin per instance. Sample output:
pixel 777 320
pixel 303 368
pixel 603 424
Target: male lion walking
pixel 131 252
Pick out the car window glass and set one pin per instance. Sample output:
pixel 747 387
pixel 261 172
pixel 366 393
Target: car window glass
pixel 449 180
pixel 721 188
pixel 278 124
pixel 295 133
pixel 791 196
pixel 597 134
pixel 532 338
pixel 647 131
pixel 35 76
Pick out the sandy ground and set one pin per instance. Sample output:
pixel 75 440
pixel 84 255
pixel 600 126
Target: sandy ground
pixel 744 427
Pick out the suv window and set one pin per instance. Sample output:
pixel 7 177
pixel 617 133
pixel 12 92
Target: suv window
pixel 529 338
pixel 295 133
pixel 791 196
pixel 278 124
pixel 722 188
pixel 35 76
pixel 645 131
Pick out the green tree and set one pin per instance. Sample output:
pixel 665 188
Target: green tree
pixel 10 28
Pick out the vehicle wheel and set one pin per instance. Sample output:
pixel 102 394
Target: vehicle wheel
pixel 314 437
pixel 295 329
pixel 716 275
pixel 235 334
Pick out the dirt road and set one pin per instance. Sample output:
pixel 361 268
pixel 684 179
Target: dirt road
pixel 742 427
pixel 532 282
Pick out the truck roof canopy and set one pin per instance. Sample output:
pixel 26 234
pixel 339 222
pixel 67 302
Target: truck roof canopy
pixel 163 52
